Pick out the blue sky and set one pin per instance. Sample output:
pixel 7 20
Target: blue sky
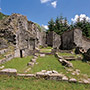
pixel 41 11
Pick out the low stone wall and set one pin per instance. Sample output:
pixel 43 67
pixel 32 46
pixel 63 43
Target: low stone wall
pixel 7 58
pixel 63 61
pixel 48 75
pixel 33 60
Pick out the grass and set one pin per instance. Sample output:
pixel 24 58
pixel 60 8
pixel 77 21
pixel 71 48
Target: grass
pixel 46 49
pixel 18 63
pixel 2 16
pixel 17 83
pixel 70 54
pixel 67 54
pixel 82 66
pixel 49 62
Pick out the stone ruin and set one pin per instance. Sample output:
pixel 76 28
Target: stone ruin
pixel 26 37
pixel 72 39
pixel 53 40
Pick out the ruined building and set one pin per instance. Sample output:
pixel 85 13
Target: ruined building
pixel 24 35
pixel 74 38
pixel 53 40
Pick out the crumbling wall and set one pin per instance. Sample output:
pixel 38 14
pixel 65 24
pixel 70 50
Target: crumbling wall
pixel 78 37
pixel 67 40
pixel 50 39
pixel 43 38
pixel 85 43
pixel 20 32
pixel 56 41
pixel 3 43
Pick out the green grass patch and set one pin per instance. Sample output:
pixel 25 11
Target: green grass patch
pixel 82 66
pixel 18 83
pixel 2 16
pixel 69 54
pixel 18 63
pixel 66 54
pixel 49 62
pixel 46 49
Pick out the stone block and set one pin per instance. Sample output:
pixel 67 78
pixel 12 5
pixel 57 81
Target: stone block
pixel 42 55
pixel 64 78
pixel 33 60
pixel 9 71
pixel 30 64
pixel 26 75
pixel 72 80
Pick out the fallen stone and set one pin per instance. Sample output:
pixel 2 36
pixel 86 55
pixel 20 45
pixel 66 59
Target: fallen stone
pixel 35 57
pixel 81 82
pixel 85 81
pixel 73 73
pixel 66 63
pixel 42 55
pixel 33 60
pixel 26 75
pixel 43 71
pixel 64 78
pixel 48 72
pixel 40 75
pixel 54 72
pixel 30 64
pixel 69 69
pixel 55 76
pixel 36 54
pixel 60 57
pixel 73 80
pixel 1 67
pixel 8 71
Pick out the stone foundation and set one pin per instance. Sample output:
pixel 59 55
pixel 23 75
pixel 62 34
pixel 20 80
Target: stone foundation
pixel 7 58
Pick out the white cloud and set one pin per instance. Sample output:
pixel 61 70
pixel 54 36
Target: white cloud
pixel 54 4
pixel 45 26
pixel 82 16
pixel 44 1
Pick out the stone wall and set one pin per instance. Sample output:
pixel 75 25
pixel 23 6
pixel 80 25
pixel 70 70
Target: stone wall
pixel 53 40
pixel 43 38
pixel 74 38
pixel 67 40
pixel 7 58
pixel 50 39
pixel 85 43
pixel 56 41
pixel 24 34
pixel 77 37
pixel 3 43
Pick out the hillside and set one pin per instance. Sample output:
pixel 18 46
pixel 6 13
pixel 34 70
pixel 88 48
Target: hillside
pixel 2 16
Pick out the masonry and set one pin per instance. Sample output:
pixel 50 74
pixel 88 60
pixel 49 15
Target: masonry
pixel 26 37
pixel 74 38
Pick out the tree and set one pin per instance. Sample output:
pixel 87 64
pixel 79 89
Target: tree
pixel 84 25
pixel 59 26
pixel 51 25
